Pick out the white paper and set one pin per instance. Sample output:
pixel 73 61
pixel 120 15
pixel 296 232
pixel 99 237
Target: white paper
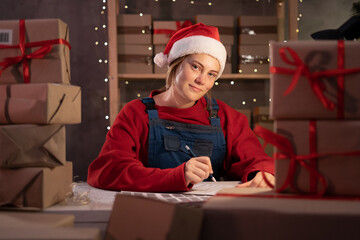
pixel 211 188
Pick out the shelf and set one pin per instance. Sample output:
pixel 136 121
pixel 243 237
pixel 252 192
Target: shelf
pixel 144 76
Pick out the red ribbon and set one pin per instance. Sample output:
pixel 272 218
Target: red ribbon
pixel 314 78
pixel 171 32
pixel 45 48
pixel 286 151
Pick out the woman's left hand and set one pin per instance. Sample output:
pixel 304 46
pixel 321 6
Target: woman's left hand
pixel 258 181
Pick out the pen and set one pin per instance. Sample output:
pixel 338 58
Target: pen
pixel 193 154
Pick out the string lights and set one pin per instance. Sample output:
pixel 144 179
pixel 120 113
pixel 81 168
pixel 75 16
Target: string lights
pixel 129 7
pixel 101 48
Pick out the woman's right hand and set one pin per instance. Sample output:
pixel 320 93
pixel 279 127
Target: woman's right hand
pixel 197 169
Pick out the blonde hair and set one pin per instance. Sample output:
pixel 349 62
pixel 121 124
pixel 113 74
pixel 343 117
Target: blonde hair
pixel 171 74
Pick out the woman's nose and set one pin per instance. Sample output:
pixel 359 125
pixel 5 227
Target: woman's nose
pixel 200 79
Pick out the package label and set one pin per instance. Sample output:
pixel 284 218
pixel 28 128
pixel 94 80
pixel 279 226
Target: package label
pixel 6 36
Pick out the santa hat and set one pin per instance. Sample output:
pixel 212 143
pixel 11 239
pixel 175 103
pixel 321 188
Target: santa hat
pixel 198 38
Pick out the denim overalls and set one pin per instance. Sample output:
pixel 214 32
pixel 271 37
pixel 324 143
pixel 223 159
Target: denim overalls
pixel 167 140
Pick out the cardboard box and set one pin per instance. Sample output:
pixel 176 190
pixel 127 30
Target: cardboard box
pixel 163 30
pixel 54 67
pixel 253 59
pixel 40 103
pixel 302 102
pixel 34 188
pixel 135 58
pixel 257 29
pixel 261 118
pixel 224 23
pixel 31 220
pixel 143 218
pixel 32 146
pixel 245 214
pixel 50 233
pixel 134 29
pixel 332 137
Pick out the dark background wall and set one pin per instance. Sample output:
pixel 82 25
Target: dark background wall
pixel 82 16
pixel 84 140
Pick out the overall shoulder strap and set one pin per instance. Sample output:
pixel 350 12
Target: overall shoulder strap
pixel 150 107
pixel 213 113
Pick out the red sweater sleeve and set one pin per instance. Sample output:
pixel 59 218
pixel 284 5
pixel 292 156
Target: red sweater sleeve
pixel 121 164
pixel 244 151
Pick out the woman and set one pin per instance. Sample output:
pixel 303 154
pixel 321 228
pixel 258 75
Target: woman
pixel 147 148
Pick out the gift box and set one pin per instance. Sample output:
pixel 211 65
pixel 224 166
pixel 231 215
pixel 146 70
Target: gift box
pixel 163 30
pixel 258 213
pixel 253 59
pixel 134 29
pixel 46 54
pixel 261 118
pixel 40 103
pixel 335 150
pixel 135 58
pixel 39 225
pixel 31 220
pixel 314 80
pixel 34 188
pixel 257 29
pixel 51 233
pixel 135 217
pixel 32 145
pixel 224 23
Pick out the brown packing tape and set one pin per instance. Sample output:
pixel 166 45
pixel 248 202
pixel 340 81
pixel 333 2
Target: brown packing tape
pixel 57 61
pixel 35 188
pixel 133 30
pixel 132 58
pixel 32 145
pixel 226 30
pixel 45 103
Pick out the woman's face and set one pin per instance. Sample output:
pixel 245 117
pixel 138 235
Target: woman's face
pixel 194 77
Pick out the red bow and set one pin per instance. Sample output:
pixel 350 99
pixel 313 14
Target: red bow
pixel 171 32
pixel 45 47
pixel 314 78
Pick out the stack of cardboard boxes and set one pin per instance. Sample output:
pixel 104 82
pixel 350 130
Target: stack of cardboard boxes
pixel 36 100
pixel 134 38
pixel 255 32
pixel 314 89
pixel 140 38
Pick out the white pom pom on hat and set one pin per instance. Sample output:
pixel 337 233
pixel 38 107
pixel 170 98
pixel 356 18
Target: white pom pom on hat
pixel 198 38
pixel 160 59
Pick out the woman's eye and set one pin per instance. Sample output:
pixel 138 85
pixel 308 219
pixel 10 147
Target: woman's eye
pixel 195 67
pixel 212 75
